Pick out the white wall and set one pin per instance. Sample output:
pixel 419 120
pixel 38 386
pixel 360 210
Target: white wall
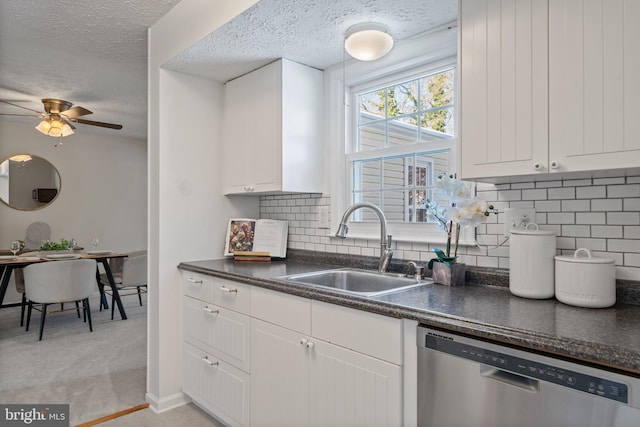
pixel 103 188
pixel 187 212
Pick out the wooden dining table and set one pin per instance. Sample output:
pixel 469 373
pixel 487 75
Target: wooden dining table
pixel 7 266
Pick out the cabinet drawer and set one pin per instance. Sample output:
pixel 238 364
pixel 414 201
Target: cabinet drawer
pixel 198 286
pixel 216 385
pixel 232 295
pixel 221 332
pixel 285 310
pixel 368 333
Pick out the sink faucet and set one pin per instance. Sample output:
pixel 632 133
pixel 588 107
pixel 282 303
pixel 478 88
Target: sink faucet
pixel 385 239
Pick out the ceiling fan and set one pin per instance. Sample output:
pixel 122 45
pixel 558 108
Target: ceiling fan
pixel 58 116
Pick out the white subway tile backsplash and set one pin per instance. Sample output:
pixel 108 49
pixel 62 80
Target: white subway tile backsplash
pixel 608 181
pixel 548 184
pixel 535 194
pixel 623 218
pixel 576 205
pixel 561 218
pixel 509 195
pixel 631 232
pixel 619 245
pixel 607 231
pixel 606 205
pixel 629 190
pixel 548 206
pixel 591 218
pixel 577 182
pixel 563 193
pixel 599 192
pixel 601 214
pixel 576 230
pixel 631 204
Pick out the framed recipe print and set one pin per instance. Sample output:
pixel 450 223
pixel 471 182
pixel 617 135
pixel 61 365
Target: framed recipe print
pixel 262 235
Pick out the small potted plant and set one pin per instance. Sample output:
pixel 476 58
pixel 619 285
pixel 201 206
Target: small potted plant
pixel 53 247
pixel 459 209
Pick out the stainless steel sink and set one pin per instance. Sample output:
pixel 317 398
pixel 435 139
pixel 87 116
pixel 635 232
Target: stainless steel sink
pixel 356 281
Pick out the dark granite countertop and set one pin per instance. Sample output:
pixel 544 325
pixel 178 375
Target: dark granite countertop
pixel 607 337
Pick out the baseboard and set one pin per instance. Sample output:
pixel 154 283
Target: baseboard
pixel 166 403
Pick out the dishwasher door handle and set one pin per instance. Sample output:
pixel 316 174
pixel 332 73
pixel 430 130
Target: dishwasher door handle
pixel 510 378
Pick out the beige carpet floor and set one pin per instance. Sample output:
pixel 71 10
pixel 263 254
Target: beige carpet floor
pixel 97 373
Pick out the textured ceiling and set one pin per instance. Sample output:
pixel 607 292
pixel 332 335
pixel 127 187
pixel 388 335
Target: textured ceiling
pixel 307 31
pixel 94 53
pixel 91 53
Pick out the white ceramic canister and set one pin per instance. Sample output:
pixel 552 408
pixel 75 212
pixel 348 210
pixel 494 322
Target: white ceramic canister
pixel 531 263
pixel 585 281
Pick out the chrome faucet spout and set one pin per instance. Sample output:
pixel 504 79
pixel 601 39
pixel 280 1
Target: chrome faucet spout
pixel 385 240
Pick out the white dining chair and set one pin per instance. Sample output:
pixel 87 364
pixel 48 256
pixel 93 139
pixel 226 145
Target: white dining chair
pixel 57 282
pixel 129 274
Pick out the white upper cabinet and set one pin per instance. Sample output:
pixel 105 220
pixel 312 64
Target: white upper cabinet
pixel 548 87
pixel 273 130
pixel 594 58
pixel 503 87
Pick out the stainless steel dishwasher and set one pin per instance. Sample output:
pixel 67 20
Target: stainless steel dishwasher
pixel 468 382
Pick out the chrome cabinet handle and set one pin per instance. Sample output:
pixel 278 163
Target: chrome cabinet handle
pixel 210 311
pixel 554 164
pixel 206 360
pixel 248 188
pixel 537 166
pixel 310 344
pixel 225 289
pixel 192 280
pixel 304 341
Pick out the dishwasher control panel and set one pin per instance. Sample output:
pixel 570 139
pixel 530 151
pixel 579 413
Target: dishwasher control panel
pixel 587 383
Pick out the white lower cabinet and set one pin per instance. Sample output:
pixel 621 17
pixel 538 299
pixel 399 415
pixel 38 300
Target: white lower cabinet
pixel 216 385
pixel 300 379
pixel 290 361
pixel 280 377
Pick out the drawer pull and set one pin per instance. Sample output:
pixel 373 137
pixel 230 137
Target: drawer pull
pixel 210 310
pixel 206 360
pixel 225 289
pixel 192 280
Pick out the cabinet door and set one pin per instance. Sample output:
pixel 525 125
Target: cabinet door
pixel 593 84
pixel 253 127
pixel 352 389
pixel 221 332
pixel 216 385
pixel 279 376
pixel 503 87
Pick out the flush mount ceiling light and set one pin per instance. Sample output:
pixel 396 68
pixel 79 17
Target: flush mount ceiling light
pixel 368 41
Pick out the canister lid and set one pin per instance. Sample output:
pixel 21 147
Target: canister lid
pixel 587 259
pixel 529 232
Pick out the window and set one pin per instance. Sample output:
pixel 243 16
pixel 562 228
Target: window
pixel 404 135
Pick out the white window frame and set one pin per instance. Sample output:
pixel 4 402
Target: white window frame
pixel 422 55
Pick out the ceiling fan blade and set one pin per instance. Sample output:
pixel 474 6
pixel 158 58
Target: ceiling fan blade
pixel 39 116
pixel 20 106
pixel 76 111
pixel 93 123
pixel 67 121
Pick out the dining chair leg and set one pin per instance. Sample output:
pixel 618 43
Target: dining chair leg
pixel 87 310
pixel 22 307
pixel 29 314
pixel 113 305
pixel 78 308
pixel 139 296
pixel 43 315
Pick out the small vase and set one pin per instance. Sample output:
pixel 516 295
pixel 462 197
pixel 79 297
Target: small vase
pixel 449 275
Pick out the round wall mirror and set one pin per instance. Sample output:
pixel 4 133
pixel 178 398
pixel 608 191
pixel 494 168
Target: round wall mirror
pixel 28 182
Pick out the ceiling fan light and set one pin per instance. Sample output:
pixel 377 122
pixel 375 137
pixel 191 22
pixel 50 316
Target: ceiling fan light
pixel 44 127
pixel 368 41
pixel 67 130
pixel 56 128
